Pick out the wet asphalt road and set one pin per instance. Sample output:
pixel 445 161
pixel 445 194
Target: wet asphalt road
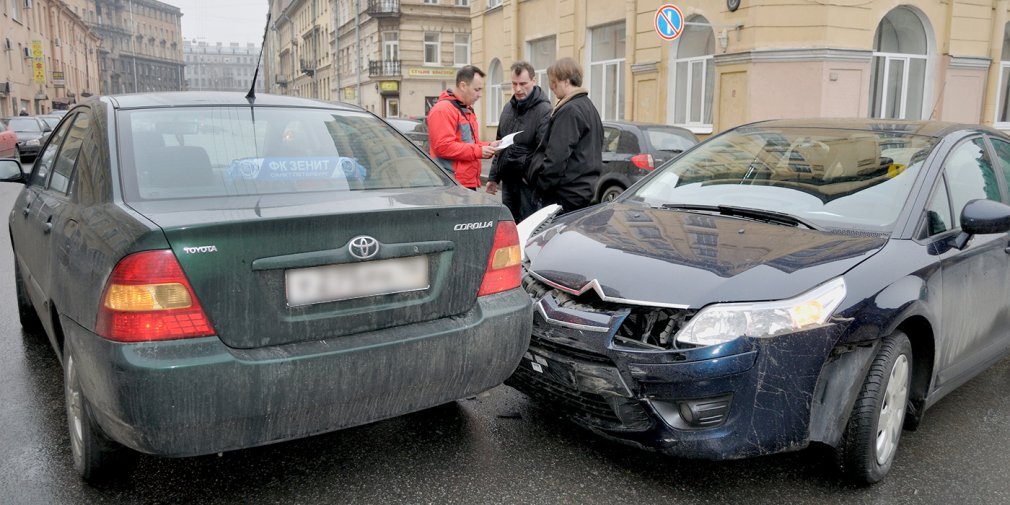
pixel 497 448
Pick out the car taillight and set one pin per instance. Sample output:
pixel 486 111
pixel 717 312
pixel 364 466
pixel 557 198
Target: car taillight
pixel 503 270
pixel 148 298
pixel 643 161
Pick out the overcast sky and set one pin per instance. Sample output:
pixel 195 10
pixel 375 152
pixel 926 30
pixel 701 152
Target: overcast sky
pixel 222 20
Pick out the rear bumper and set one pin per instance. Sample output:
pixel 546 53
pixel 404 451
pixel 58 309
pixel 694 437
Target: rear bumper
pixel 197 396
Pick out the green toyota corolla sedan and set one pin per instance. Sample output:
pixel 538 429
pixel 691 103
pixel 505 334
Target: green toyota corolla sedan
pixel 219 273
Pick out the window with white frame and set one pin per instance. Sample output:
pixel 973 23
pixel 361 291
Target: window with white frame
pixel 392 107
pixel 462 3
pixel 432 48
pixel 491 4
pixel 390 46
pixel 1002 118
pixel 495 93
pixel 15 10
pixel 541 53
pixel 693 76
pixel 461 49
pixel 431 1
pixel 606 70
pixel 898 75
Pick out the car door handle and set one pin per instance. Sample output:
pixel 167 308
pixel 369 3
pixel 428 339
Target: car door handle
pixel 48 227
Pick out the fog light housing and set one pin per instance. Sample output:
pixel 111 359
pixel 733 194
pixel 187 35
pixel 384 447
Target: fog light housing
pixel 694 414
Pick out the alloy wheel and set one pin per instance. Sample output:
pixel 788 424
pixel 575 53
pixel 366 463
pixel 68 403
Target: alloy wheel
pixel 892 411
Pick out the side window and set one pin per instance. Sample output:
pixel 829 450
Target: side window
pixel 971 176
pixel 48 156
pixel 628 144
pixel 938 216
pixel 67 157
pixel 1002 149
pixel 611 137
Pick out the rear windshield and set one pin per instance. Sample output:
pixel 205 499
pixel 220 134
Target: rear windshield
pixel 23 124
pixel 669 140
pixel 238 151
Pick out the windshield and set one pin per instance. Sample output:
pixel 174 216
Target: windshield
pixel 23 124
pixel 836 179
pixel 51 122
pixel 669 140
pixel 224 151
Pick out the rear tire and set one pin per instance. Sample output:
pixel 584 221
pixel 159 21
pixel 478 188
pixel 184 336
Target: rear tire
pixel 610 193
pixel 30 321
pixel 96 457
pixel 871 437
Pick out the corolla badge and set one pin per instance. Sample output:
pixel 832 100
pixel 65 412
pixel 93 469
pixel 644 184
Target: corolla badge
pixel 363 247
pixel 472 226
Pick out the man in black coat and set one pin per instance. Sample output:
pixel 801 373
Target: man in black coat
pixel 566 165
pixel 527 112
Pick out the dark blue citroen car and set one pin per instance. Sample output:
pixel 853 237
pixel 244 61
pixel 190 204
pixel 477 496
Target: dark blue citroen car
pixel 783 283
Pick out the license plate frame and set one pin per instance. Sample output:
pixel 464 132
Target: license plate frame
pixel 350 281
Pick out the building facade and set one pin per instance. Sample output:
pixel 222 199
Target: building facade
pixel 219 67
pixel 49 58
pixel 141 48
pixel 392 57
pixel 913 59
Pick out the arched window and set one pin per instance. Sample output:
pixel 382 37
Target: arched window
pixel 693 75
pixel 495 92
pixel 900 55
pixel 1002 119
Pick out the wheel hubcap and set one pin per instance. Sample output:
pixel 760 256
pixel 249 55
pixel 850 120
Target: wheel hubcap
pixel 892 411
pixel 74 410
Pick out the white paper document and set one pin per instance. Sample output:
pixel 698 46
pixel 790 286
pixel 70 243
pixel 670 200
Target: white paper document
pixel 507 140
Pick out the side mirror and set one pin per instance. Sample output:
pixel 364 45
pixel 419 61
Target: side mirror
pixel 981 217
pixel 10 171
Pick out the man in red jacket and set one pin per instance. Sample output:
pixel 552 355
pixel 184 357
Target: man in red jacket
pixel 452 128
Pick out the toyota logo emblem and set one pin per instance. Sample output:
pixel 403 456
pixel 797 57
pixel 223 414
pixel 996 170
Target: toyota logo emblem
pixel 363 247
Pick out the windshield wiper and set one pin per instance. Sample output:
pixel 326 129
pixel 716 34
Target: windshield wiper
pixel 766 216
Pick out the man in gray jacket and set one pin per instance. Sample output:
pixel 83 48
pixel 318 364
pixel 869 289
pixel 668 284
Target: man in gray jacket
pixel 527 112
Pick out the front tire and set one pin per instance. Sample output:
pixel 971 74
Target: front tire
pixel 96 457
pixel 30 321
pixel 871 437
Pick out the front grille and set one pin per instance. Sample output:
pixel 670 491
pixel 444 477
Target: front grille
pixel 539 388
pixel 571 352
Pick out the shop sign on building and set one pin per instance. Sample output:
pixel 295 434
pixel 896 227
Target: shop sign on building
pixel 38 63
pixel 58 80
pixel 435 72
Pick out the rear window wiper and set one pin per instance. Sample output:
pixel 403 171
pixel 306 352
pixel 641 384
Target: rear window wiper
pixel 766 216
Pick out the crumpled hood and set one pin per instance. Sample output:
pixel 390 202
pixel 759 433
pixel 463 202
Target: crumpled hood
pixel 654 256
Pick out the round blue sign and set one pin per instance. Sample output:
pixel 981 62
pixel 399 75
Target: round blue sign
pixel 669 22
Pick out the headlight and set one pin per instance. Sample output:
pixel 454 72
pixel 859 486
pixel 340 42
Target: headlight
pixel 724 322
pixel 32 142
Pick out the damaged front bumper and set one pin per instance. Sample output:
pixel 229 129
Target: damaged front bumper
pixel 747 397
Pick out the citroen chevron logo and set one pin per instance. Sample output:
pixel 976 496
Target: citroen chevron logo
pixel 363 247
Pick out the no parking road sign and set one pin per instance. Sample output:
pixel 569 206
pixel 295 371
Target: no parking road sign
pixel 669 22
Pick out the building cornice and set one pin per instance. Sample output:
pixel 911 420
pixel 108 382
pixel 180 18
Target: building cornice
pixel 649 67
pixel 969 62
pixel 791 55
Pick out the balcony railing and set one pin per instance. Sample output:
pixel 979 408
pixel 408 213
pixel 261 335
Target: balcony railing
pixel 383 8
pixel 308 67
pixel 384 68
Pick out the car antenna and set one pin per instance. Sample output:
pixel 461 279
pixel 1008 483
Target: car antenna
pixel 251 95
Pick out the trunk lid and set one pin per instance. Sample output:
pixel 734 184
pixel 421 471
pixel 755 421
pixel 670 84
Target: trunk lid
pixel 236 252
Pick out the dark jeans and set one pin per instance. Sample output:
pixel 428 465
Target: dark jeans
pixel 519 198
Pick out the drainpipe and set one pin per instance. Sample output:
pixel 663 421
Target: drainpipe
pixel 357 36
pixel 999 20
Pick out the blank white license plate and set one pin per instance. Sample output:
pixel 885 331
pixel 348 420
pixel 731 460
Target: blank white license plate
pixel 333 283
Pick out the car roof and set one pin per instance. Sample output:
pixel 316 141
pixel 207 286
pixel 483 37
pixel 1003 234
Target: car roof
pixel 907 127
pixel 210 98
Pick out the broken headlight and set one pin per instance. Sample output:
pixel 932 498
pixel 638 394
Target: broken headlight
pixel 723 322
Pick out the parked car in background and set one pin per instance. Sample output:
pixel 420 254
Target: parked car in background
pixel 632 150
pixel 51 120
pixel 58 112
pixel 31 131
pixel 781 284
pixel 8 142
pixel 216 275
pixel 414 129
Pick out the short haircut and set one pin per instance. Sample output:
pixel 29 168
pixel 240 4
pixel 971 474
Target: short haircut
pixel 565 69
pixel 519 66
pixel 466 73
